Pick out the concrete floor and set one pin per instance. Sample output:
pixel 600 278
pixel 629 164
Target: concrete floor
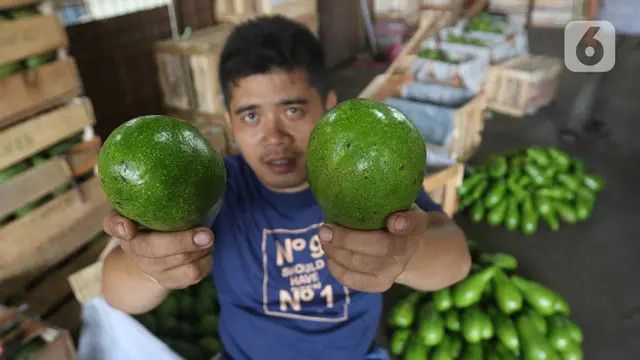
pixel 594 264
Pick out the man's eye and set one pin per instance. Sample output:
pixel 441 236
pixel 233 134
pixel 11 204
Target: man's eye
pixel 295 112
pixel 250 117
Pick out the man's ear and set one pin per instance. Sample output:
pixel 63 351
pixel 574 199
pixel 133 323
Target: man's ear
pixel 227 118
pixel 331 100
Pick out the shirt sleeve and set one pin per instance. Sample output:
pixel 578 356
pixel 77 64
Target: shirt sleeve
pixel 425 202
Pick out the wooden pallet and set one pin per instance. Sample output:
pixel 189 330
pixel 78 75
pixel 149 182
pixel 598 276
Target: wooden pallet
pixel 29 92
pixel 31 136
pixel 47 292
pixel 188 70
pixel 523 84
pixel 34 35
pixel 53 230
pixel 442 187
pixel 468 121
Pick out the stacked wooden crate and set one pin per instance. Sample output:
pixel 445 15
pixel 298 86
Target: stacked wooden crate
pixel 544 13
pixel 237 11
pixel 188 76
pixel 523 85
pixel 188 68
pixel 52 203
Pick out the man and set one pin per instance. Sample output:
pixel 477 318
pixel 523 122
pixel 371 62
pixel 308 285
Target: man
pixel 289 286
pixel 592 103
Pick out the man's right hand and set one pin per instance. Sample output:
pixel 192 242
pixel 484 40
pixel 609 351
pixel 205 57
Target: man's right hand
pixel 175 260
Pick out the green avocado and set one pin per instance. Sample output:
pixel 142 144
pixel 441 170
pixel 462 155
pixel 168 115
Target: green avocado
pixel 23 13
pixel 40 59
pixel 161 172
pixel 9 68
pixel 365 161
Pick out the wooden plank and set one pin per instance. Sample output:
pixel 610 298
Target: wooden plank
pixel 264 6
pixel 61 348
pixel 30 92
pixel 24 37
pixel 204 70
pixel 55 287
pixel 468 126
pixel 33 184
pixel 86 283
pixel 440 178
pixel 384 86
pixel 295 9
pixel 34 135
pixel 429 23
pixel 52 231
pixel 83 157
pixel 10 4
pixel 443 185
pixel 67 317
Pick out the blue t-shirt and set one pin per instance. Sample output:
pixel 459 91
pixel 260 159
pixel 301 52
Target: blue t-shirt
pixel 277 298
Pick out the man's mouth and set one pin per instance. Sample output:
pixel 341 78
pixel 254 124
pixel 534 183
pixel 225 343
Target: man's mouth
pixel 281 165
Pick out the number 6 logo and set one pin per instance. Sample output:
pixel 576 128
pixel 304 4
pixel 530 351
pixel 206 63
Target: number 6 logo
pixel 589 46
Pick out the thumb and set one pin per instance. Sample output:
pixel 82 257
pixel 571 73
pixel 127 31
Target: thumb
pixel 410 222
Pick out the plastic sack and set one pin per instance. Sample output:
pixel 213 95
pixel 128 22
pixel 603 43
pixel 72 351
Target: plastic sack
pixel 436 93
pixel 110 334
pixel 434 122
pixel 498 47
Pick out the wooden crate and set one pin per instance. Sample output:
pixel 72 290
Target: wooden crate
pixel 45 226
pixel 11 4
pixel 234 11
pixel 30 92
pixel 523 84
pixel 430 23
pixel 468 120
pixel 56 228
pixel 29 137
pixel 188 70
pixel 407 11
pixel 47 292
pixel 442 187
pixel 302 11
pixel 213 126
pixel 34 35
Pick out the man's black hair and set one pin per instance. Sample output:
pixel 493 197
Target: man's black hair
pixel 271 43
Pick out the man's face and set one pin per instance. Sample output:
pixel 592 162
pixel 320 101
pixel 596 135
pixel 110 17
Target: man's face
pixel 271 116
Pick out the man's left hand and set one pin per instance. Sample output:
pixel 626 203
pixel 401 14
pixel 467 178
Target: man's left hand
pixel 371 261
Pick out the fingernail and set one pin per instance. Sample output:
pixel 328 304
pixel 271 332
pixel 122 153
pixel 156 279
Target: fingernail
pixel 201 238
pixel 325 234
pixel 401 223
pixel 121 232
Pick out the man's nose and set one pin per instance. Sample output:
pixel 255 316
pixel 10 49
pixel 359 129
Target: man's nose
pixel 275 132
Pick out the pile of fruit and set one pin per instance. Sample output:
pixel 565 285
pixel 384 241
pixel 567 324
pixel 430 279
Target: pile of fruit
pixel 436 55
pixel 485 23
pixel 30 62
pixel 492 314
pixel 517 188
pixel 13 170
pixel 187 321
pixel 465 40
